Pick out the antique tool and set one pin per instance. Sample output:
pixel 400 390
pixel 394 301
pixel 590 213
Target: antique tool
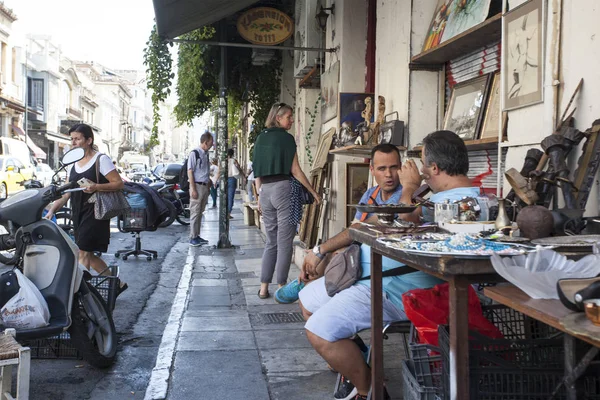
pixel 562 118
pixel 587 165
pixel 520 187
pixel 532 159
pixel 535 222
pixel 502 221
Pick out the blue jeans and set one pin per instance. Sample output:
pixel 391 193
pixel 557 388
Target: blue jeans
pixel 231 186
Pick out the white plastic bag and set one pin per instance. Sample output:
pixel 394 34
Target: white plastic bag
pixel 537 272
pixel 27 309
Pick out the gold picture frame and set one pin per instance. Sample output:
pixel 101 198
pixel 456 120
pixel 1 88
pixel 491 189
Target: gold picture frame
pixel 465 109
pixel 491 119
pixel 357 183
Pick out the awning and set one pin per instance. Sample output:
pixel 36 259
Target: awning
pixel 58 138
pixel 37 152
pixel 176 17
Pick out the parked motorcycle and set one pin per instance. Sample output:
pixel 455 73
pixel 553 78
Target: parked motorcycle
pixel 179 199
pixel 49 258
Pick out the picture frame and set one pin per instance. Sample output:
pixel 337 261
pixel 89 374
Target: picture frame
pixel 437 25
pixel 323 146
pixel 523 55
pixel 357 183
pixel 330 92
pixel 491 119
pixel 465 109
pixel 351 106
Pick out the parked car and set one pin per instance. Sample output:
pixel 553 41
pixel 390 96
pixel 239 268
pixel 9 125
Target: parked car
pixel 44 173
pixel 168 172
pixel 12 172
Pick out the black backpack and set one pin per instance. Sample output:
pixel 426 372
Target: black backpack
pixel 184 182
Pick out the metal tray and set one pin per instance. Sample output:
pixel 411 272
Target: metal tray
pixel 384 209
pixel 578 241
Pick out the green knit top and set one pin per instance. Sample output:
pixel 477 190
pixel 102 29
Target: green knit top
pixel 274 152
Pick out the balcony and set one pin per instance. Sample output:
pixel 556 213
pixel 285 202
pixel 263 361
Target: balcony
pixel 71 112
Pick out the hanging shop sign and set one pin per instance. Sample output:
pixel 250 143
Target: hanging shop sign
pixel 265 25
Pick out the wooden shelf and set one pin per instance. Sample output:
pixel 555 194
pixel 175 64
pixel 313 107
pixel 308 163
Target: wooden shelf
pixel 487 32
pixel 478 144
pixel 357 151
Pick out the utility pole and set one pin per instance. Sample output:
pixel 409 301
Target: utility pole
pixel 224 242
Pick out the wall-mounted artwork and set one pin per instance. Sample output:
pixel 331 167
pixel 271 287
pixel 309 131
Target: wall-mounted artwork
pixel 329 92
pixel 465 109
pixel 523 55
pixel 351 106
pixel 357 183
pixel 463 15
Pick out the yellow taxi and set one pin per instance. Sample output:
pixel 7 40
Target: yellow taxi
pixel 12 172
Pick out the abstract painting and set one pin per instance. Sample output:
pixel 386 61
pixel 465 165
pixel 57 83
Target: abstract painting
pixel 438 24
pixel 463 15
pixel 523 63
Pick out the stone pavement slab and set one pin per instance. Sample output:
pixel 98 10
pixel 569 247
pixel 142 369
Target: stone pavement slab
pixel 215 323
pixel 224 340
pixel 218 375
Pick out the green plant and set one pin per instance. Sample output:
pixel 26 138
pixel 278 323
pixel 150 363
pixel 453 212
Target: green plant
pixel 158 61
pixel 310 131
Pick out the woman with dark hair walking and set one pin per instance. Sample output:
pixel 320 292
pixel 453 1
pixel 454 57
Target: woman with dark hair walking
pixel 91 235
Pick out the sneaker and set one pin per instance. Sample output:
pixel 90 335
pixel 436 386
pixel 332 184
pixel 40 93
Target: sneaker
pixel 202 241
pixel 195 242
pixel 345 389
pixel 289 293
pixel 359 397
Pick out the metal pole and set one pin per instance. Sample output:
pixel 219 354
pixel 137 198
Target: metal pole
pixel 251 46
pixel 224 241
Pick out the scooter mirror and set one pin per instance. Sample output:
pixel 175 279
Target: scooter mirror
pixel 73 156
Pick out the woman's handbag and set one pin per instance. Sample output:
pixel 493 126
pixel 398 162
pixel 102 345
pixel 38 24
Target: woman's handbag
pixel 298 190
pixel 109 204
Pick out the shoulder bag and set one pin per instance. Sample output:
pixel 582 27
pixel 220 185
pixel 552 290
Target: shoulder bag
pixel 344 270
pixel 109 204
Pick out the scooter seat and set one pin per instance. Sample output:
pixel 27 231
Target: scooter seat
pixel 57 326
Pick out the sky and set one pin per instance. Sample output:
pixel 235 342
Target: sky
pixel 110 32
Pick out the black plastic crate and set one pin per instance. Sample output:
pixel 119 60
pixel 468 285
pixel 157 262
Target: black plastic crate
pixel 108 287
pixel 412 389
pixel 427 363
pixel 515 369
pixel 591 388
pixel 59 346
pixel 516 325
pixel 134 219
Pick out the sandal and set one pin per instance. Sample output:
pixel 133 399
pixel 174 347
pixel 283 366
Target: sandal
pixel 263 296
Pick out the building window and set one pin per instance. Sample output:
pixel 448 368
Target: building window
pixel 3 66
pixel 14 65
pixel 35 93
pixel 135 117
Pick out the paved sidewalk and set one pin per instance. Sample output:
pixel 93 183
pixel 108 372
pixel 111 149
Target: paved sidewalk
pixel 223 342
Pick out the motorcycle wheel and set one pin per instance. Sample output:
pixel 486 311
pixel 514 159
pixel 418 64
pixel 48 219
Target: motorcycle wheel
pixel 183 217
pixel 92 329
pixel 172 214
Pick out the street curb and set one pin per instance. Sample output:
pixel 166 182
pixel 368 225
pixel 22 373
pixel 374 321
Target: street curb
pixel 158 385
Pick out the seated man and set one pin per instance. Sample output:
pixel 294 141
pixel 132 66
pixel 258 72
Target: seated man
pixel 332 321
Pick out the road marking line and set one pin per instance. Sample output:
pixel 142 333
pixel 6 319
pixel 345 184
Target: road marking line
pixel 158 385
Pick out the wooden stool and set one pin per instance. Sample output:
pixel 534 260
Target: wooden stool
pixel 12 353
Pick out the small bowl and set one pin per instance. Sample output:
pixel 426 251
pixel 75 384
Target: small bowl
pixel 592 310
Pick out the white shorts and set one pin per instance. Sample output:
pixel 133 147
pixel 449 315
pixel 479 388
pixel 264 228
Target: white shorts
pixel 345 314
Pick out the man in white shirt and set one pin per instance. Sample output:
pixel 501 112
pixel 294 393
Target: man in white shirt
pixel 250 184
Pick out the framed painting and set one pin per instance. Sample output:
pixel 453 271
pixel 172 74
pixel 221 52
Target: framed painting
pixel 523 62
pixel 437 25
pixel 491 118
pixel 323 147
pixel 329 92
pixel 357 183
pixel 351 106
pixel 464 113
pixel 463 15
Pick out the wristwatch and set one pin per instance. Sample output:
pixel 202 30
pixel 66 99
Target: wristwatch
pixel 316 251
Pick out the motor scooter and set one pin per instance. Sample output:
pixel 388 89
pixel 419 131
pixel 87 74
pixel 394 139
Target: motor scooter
pixel 49 258
pixel 177 198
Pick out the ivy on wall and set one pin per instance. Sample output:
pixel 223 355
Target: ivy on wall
pixel 311 128
pixel 198 80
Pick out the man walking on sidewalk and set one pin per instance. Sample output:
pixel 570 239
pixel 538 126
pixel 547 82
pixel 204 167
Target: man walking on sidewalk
pixel 198 169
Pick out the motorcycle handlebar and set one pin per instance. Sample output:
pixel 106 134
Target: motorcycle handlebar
pixel 66 186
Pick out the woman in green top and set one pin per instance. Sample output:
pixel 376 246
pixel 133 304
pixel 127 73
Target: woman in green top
pixel 275 159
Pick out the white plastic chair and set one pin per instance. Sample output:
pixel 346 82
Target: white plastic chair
pixel 12 353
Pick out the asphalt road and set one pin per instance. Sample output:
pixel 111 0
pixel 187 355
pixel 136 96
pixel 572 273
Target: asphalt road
pixel 140 316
